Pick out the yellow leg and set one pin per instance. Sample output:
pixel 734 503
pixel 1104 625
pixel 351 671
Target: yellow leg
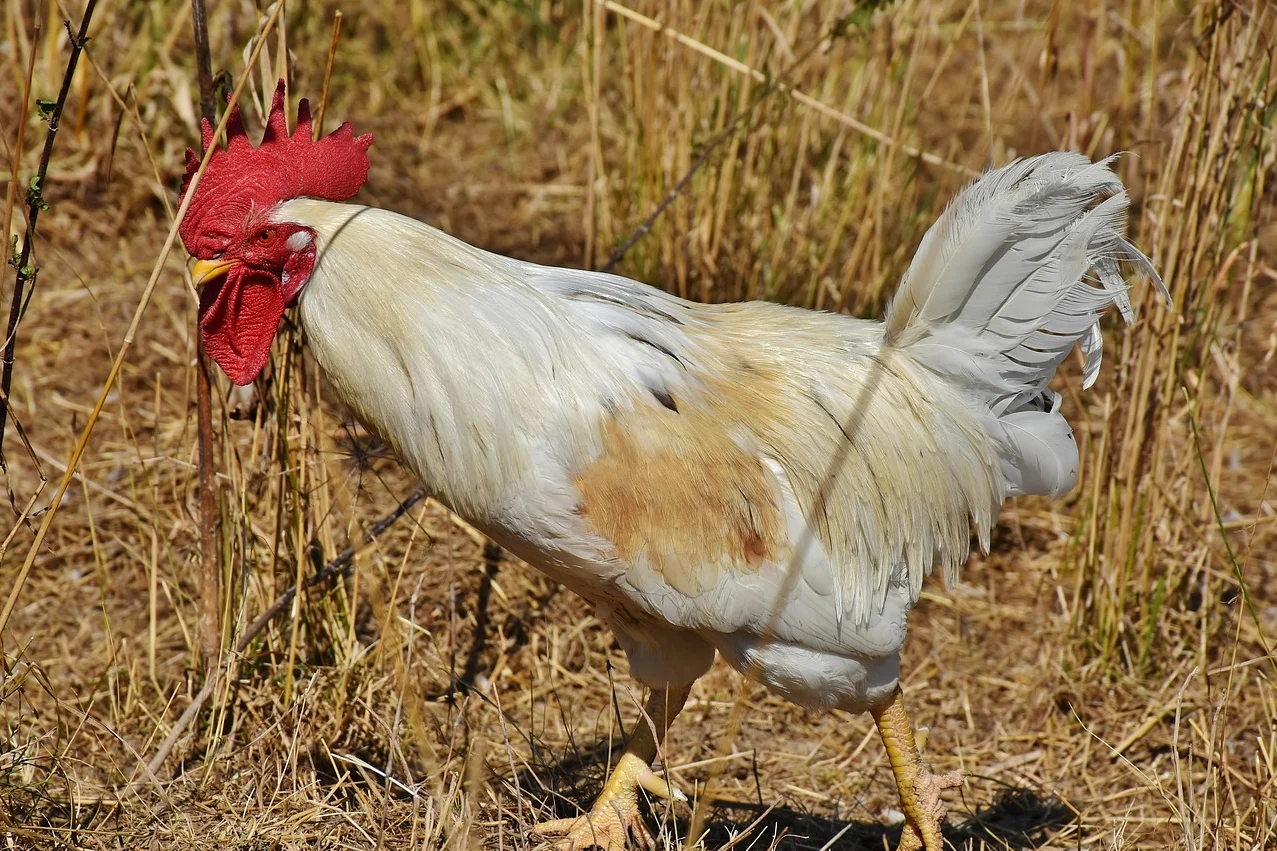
pixel 615 816
pixel 919 789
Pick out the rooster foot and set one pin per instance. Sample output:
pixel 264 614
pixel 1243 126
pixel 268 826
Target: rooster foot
pixel 609 827
pixel 922 829
pixel 615 818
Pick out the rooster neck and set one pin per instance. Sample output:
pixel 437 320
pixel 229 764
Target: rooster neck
pixel 422 339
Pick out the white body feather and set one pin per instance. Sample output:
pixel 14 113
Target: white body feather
pixel 520 393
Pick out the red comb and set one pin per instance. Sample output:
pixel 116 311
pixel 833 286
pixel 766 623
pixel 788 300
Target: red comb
pixel 243 179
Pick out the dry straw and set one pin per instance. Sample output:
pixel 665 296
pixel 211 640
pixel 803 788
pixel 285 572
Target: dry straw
pixel 1103 676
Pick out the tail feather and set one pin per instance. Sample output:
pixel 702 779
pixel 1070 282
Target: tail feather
pixel 1015 273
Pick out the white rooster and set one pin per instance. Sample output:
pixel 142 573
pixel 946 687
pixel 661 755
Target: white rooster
pixel 764 482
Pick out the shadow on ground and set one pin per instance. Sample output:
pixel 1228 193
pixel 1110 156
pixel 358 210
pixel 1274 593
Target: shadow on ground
pixel 1019 818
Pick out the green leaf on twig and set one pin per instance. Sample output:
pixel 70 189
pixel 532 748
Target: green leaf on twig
pixel 34 198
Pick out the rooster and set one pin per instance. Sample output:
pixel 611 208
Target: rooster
pixel 760 482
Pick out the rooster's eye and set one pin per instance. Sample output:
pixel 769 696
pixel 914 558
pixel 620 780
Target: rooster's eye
pixel 265 236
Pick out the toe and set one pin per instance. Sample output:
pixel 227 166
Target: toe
pixel 555 827
pixel 574 834
pixel 930 788
pixel 604 827
pixel 661 787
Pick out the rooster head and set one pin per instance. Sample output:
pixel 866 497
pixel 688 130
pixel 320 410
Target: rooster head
pixel 248 266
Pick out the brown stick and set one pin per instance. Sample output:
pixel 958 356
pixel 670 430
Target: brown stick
pixel 203 60
pixel 210 642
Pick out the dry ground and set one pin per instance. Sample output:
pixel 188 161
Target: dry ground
pixel 1100 676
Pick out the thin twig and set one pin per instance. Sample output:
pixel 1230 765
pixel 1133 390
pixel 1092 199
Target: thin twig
pixel 210 643
pixel 11 195
pixel 35 203
pixel 1223 534
pixel 10 202
pixel 338 566
pixel 862 12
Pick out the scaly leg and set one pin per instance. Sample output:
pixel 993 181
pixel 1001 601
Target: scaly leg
pixel 919 789
pixel 615 815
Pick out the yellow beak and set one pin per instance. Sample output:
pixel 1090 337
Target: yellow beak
pixel 206 271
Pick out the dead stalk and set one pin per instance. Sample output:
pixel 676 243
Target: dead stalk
pixel 318 131
pixel 210 643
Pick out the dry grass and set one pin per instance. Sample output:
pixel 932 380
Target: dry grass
pixel 1101 675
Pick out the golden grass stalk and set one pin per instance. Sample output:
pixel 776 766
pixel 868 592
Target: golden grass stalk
pixel 435 700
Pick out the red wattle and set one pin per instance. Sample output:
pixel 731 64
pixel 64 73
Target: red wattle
pixel 238 320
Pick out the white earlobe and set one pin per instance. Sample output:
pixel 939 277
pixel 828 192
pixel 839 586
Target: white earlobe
pixel 299 240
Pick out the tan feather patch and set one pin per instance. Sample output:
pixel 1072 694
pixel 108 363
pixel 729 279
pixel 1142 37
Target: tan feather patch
pixel 676 489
